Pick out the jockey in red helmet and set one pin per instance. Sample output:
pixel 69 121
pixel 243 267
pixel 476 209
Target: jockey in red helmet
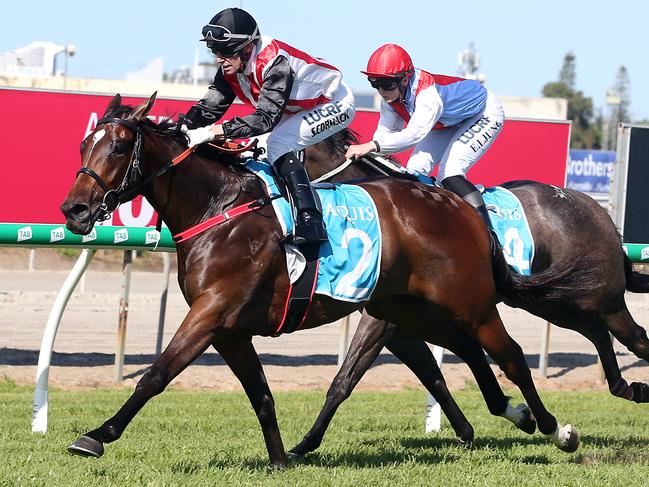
pixel 301 99
pixel 449 121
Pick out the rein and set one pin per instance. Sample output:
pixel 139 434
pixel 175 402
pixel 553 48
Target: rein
pixel 128 188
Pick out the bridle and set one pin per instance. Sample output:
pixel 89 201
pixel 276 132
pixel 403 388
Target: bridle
pixel 129 188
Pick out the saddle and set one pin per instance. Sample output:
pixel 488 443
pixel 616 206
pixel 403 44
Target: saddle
pixel 210 149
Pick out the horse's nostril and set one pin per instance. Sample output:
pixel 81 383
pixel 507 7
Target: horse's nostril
pixel 77 211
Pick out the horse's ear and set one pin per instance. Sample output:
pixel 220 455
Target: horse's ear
pixel 143 110
pixel 114 103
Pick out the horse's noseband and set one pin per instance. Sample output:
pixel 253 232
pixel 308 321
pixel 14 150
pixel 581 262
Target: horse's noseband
pixel 124 192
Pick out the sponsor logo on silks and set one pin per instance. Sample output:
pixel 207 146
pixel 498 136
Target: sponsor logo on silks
pixel 325 117
pixel 151 237
pixel 24 233
pixel 644 253
pixel 477 130
pixel 90 237
pixel 57 234
pixel 121 235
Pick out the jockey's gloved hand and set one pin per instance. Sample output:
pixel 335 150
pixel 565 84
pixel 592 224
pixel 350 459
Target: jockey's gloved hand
pixel 199 135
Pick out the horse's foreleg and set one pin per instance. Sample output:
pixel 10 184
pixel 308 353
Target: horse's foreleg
pixel 242 358
pixel 634 338
pixel 191 339
pixel 367 343
pixel 493 337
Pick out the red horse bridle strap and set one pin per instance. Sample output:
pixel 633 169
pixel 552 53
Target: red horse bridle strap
pixel 218 219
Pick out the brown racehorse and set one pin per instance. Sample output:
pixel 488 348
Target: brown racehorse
pixel 565 225
pixel 436 261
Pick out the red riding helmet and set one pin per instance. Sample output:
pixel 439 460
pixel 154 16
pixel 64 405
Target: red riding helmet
pixel 389 61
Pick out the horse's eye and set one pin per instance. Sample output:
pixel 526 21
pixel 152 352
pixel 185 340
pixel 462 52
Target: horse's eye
pixel 119 148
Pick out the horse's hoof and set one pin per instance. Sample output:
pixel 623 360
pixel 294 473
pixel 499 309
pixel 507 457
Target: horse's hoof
pixel 465 442
pixel 277 467
pixel 291 455
pixel 566 438
pixel 527 423
pixel 640 392
pixel 87 447
pixel 300 450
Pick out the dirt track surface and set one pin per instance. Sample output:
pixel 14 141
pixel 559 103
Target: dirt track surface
pixel 86 340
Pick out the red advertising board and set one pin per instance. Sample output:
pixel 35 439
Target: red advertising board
pixel 42 131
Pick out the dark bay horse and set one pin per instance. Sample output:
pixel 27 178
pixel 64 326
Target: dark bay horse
pixel 436 263
pixel 565 225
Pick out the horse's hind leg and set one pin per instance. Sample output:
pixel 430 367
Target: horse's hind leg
pixel 370 338
pixel 634 338
pixel 368 341
pixel 416 355
pixel 493 337
pixel 242 358
pixel 449 336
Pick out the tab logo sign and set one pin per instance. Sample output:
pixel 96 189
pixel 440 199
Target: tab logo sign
pixel 121 235
pixel 90 237
pixel 151 237
pixel 57 234
pixel 644 253
pixel 24 233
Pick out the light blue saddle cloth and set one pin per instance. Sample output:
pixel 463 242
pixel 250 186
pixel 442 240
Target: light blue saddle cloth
pixel 349 263
pixel 510 224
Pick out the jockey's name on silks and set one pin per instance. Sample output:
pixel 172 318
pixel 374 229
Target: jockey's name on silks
pixel 349 263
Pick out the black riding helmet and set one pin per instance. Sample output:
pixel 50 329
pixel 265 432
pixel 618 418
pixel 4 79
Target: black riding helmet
pixel 230 31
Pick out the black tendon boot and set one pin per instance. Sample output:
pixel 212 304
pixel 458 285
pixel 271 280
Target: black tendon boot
pixel 309 227
pixel 469 193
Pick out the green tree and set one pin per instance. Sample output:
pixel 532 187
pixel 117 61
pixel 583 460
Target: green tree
pixel 568 75
pixel 585 134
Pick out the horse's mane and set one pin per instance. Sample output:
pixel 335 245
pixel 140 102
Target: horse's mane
pixel 166 128
pixel 337 142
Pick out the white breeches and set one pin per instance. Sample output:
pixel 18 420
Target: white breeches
pixel 308 127
pixel 458 148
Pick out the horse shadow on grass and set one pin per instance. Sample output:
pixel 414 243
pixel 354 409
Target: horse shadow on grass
pixel 13 356
pixel 425 451
pixel 432 451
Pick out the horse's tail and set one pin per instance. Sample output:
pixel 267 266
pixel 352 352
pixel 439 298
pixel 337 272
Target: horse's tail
pixel 567 280
pixel 636 282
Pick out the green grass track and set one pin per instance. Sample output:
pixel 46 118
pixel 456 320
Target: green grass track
pixel 211 438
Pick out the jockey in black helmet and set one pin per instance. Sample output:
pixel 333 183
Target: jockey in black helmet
pixel 301 99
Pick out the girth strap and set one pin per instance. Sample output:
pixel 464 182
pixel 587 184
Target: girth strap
pixel 300 294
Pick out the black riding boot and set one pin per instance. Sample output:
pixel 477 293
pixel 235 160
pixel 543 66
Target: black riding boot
pixel 469 193
pixel 309 227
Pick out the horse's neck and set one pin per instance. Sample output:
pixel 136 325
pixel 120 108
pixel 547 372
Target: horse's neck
pixel 197 188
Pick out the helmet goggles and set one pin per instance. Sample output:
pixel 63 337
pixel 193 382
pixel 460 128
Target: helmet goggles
pixel 221 41
pixel 385 83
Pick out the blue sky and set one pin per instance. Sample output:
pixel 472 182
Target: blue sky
pixel 521 43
